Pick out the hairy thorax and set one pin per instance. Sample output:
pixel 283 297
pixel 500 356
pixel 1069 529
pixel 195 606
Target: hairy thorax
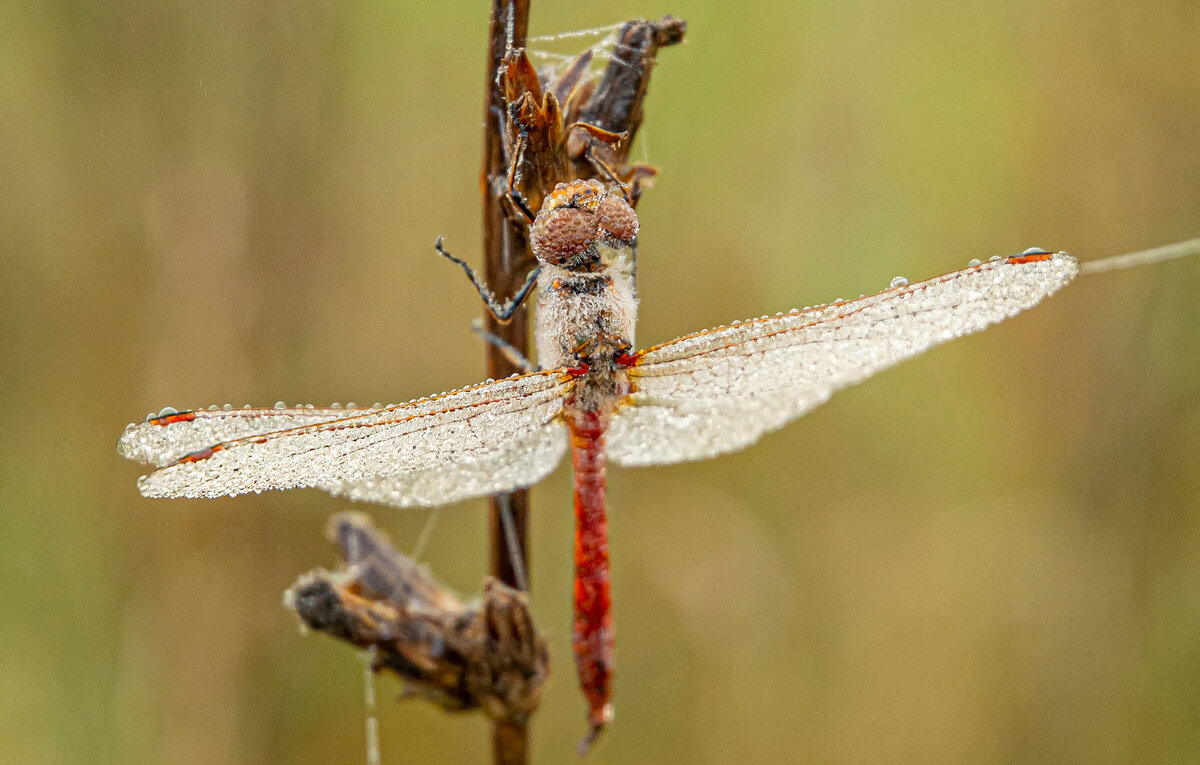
pixel 586 319
pixel 585 237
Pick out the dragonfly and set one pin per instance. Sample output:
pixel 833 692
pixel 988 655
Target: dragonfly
pixel 595 396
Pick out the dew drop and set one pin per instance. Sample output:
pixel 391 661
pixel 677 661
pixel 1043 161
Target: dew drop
pixel 994 258
pixel 168 411
pixel 335 405
pixel 974 262
pixel 1035 251
pixel 227 407
pixel 280 405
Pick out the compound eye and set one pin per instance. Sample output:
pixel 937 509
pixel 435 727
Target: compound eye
pixel 617 219
pixel 558 235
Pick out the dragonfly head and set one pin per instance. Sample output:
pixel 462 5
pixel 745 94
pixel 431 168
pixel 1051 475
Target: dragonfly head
pixel 578 222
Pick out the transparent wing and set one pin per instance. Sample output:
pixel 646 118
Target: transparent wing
pixel 490 437
pixel 719 390
pixel 171 435
pixel 521 462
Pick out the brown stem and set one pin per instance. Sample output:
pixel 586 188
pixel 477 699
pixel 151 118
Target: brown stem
pixel 510 742
pixel 505 263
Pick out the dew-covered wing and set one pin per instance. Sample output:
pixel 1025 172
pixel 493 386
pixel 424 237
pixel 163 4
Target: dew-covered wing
pixel 163 439
pixel 520 462
pixel 719 390
pixel 491 437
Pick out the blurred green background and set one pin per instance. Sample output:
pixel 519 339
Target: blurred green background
pixel 988 555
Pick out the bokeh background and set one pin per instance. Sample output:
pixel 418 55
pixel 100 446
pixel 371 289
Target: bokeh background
pixel 990 554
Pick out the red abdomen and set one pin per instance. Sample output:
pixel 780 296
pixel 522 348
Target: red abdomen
pixel 593 630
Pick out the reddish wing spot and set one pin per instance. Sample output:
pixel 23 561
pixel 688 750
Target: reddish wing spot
pixel 1033 257
pixel 203 454
pixel 170 418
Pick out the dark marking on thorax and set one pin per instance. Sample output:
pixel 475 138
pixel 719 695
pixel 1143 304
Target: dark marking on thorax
pixel 584 283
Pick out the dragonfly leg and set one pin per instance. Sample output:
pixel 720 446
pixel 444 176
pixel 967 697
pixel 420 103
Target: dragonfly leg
pixel 502 311
pixel 510 352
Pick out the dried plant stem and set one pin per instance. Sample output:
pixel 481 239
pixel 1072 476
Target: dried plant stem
pixel 505 262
